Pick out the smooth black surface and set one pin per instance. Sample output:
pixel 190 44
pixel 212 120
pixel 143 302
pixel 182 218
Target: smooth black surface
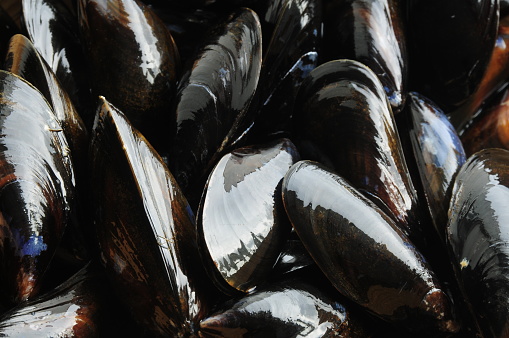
pixel 478 235
pixel 343 120
pixel 362 252
pixel 214 97
pixel 372 33
pixel 438 152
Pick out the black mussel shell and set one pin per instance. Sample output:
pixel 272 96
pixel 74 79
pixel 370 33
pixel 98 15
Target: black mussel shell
pixel 477 233
pixel 450 44
pixel 362 252
pixel 73 309
pixel 133 62
pixel 145 228
pixel 53 29
pixel 370 32
pixel 489 129
pixel 242 224
pixel 24 60
pixel 287 309
pixel 292 52
pixel 36 187
pixel 343 119
pixel 214 97
pixel 438 153
pixel 493 80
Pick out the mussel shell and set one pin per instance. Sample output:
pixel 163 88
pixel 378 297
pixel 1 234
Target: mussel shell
pixel 438 152
pixel 492 81
pixel 24 60
pixel 286 309
pixel 477 235
pixel 362 252
pixel 241 222
pixel 214 96
pixel 145 228
pixel 37 187
pixel 489 129
pixel 343 119
pixel 294 37
pixel 73 309
pixel 450 44
pixel 370 32
pixel 54 31
pixel 133 62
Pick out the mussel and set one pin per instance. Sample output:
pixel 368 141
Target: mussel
pixel 362 252
pixel 54 32
pixel 36 187
pixel 450 44
pixel 292 37
pixel 477 234
pixel 145 228
pixel 73 309
pixel 214 97
pixel 241 221
pixel 343 120
pixel 291 308
pixel 493 79
pixel 370 32
pixel 439 155
pixel 133 62
pixel 490 128
pixel 24 60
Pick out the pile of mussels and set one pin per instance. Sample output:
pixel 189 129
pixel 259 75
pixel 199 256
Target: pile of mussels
pixel 254 168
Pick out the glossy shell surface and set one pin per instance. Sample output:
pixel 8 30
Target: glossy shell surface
pixel 242 222
pixel 214 97
pixel 362 252
pixel 478 236
pixel 37 187
pixel 291 308
pixel 133 61
pixel 439 155
pixel 145 228
pixel 24 60
pixel 370 32
pixel 343 119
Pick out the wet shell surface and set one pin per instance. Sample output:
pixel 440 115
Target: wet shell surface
pixel 241 222
pixel 214 97
pixel 439 155
pixel 145 228
pixel 362 252
pixel 286 309
pixel 343 120
pixel 36 185
pixel 24 60
pixel 478 238
pixel 72 309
